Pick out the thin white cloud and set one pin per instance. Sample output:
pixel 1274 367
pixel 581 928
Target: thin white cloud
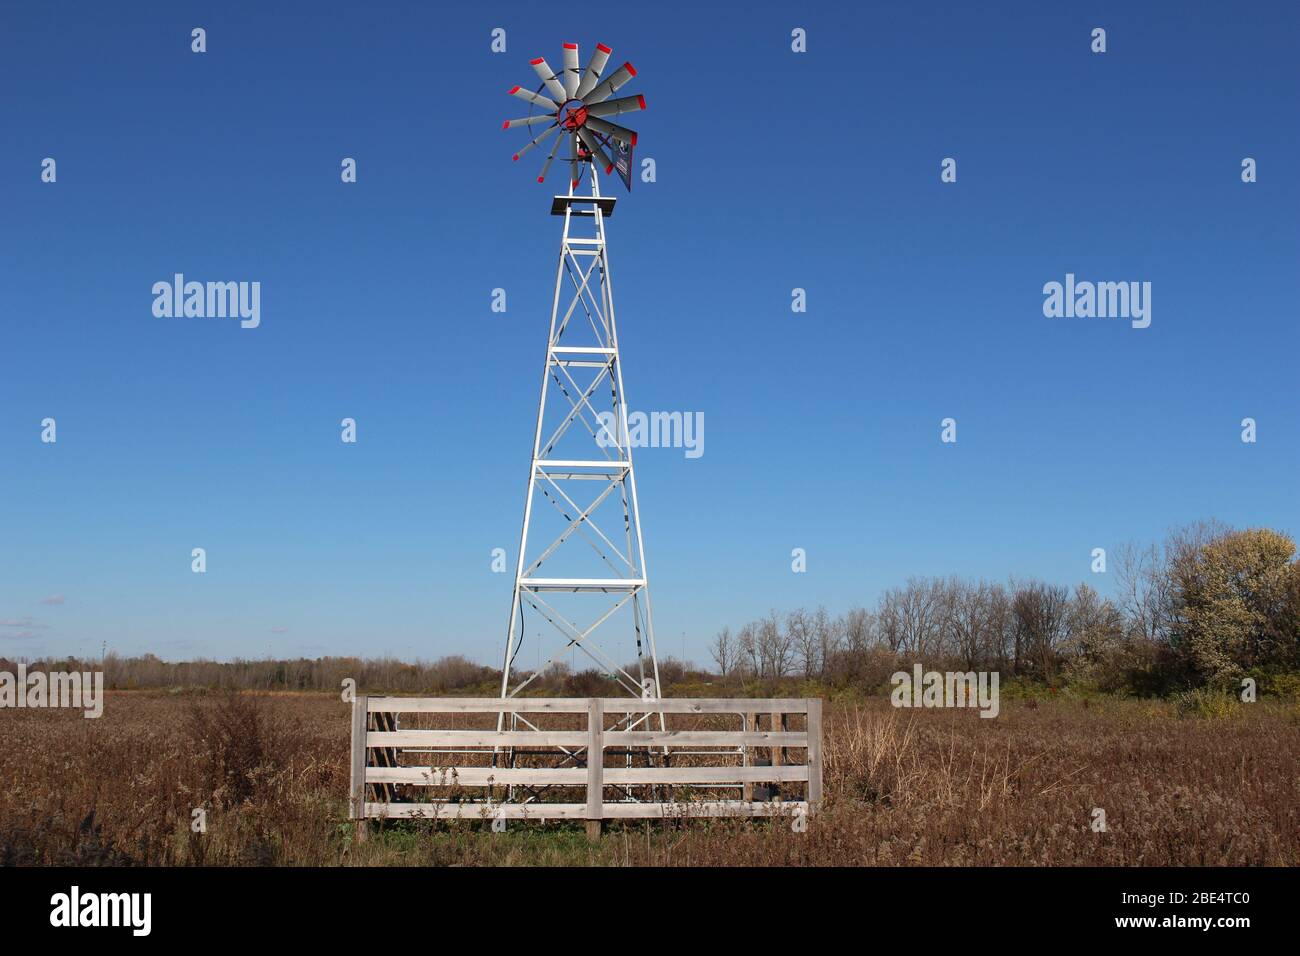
pixel 54 600
pixel 23 622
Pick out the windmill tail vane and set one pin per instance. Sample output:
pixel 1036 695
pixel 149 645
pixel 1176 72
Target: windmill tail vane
pixel 577 110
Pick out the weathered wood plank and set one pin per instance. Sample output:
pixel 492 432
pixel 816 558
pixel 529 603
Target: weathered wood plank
pixel 750 723
pixel 479 776
pixel 357 786
pixel 578 738
pixel 703 705
pixel 814 755
pixel 595 767
pixel 477 738
pixel 595 758
pixel 487 705
pixel 703 738
pixel 578 776
pixel 578 811
pixel 578 705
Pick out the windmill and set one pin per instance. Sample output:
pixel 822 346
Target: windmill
pixel 581 479
pixel 576 107
pixel 587 580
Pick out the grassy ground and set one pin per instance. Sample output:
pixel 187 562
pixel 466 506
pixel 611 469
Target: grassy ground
pixel 1181 786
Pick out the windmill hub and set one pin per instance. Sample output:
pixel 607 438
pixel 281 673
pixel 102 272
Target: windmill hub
pixel 575 114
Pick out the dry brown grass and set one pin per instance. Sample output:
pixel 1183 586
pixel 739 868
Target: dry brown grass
pixel 902 787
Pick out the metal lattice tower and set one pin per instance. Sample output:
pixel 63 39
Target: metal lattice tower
pixel 581 465
pixel 586 574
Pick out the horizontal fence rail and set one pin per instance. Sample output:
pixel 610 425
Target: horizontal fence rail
pixel 580 705
pixel 678 762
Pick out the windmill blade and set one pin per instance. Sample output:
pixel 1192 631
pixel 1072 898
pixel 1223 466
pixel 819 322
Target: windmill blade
pixel 573 159
pixel 529 120
pixel 537 139
pixel 554 149
pixel 570 77
pixel 609 86
pixel 597 152
pixel 621 133
pixel 595 67
pixel 545 102
pixel 624 104
pixel 547 76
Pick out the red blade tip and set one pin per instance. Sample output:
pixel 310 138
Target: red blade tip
pixel 630 68
pixel 536 61
pixel 512 91
pixel 603 49
pixel 506 124
pixel 570 46
pixel 640 99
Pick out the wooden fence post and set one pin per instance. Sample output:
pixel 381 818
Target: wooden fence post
pixel 814 754
pixel 747 788
pixel 779 724
pixel 358 787
pixel 595 767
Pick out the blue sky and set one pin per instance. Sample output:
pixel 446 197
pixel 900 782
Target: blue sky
pixel 775 170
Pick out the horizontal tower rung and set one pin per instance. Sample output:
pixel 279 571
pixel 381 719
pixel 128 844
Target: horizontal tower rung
pixel 583 476
pixel 581 584
pixel 545 463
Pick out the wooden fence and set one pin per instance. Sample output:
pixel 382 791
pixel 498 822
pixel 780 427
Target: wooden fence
pixel 682 773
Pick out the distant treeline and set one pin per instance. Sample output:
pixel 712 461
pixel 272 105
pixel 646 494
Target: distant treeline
pixel 446 675
pixel 1208 608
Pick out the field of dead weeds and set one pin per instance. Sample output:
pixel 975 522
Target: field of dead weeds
pixel 269 772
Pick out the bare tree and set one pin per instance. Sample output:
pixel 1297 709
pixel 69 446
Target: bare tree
pixel 971 621
pixel 921 611
pixel 803 637
pixel 889 619
pixel 776 649
pixel 748 650
pixel 1041 612
pixel 1095 625
pixel 1001 632
pixel 857 630
pixel 723 651
pixel 827 638
pixel 1143 589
